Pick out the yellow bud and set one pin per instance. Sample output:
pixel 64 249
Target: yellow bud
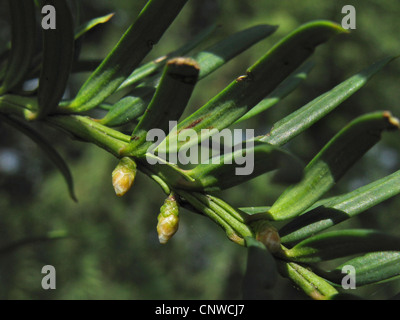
pixel 168 219
pixel 123 176
pixel 166 228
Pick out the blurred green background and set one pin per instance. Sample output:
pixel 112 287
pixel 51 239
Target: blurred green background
pixel 112 250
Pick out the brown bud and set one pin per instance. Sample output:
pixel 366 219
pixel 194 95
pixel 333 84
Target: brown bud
pixel 269 236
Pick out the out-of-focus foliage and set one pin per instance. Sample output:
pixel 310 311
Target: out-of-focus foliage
pixel 112 250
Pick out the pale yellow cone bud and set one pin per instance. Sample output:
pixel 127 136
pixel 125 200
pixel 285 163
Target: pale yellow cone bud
pixel 269 236
pixel 123 176
pixel 168 219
